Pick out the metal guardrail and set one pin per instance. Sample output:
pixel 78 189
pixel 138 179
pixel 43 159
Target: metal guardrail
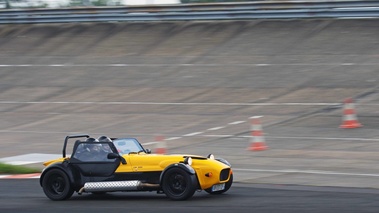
pixel 189 12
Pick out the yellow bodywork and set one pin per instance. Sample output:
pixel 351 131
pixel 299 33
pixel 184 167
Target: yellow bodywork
pixel 151 162
pixel 207 170
pixel 47 163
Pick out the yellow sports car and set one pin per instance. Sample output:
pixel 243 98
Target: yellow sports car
pixel 122 164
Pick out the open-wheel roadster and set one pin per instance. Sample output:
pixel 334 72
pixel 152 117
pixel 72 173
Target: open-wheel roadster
pixel 122 164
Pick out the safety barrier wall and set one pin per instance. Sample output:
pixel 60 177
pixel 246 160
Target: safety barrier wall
pixel 186 12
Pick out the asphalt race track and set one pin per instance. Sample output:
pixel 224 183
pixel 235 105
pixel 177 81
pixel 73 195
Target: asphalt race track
pixel 198 84
pixel 28 197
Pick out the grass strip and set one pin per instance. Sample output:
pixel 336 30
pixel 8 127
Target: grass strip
pixel 15 169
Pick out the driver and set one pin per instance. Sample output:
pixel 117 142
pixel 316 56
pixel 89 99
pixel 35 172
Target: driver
pixel 92 151
pixel 105 147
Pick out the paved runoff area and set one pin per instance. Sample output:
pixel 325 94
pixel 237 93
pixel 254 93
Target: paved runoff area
pixel 200 85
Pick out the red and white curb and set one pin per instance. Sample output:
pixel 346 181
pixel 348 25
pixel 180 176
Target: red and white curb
pixel 21 176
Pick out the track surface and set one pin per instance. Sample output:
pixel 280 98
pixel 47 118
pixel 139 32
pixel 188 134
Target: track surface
pixel 198 83
pixel 28 197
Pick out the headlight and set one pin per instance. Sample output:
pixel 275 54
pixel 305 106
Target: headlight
pixel 188 161
pixel 211 156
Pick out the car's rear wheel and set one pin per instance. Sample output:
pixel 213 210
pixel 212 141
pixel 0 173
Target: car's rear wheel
pixel 227 187
pixel 56 185
pixel 178 184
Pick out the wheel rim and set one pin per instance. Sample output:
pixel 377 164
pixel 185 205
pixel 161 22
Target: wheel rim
pixel 177 183
pixel 57 184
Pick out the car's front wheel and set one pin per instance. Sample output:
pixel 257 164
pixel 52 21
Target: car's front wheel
pixel 178 184
pixel 227 187
pixel 56 185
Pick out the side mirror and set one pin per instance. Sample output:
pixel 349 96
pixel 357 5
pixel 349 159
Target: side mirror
pixel 116 156
pixel 148 151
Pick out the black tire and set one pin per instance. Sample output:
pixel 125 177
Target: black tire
pixel 56 185
pixel 227 187
pixel 178 184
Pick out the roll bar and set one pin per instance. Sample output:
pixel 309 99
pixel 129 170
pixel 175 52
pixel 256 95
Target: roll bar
pixel 66 140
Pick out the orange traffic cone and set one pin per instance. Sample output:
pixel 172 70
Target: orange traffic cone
pixel 161 145
pixel 257 138
pixel 350 120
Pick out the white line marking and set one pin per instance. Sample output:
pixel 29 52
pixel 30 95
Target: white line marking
pixel 217 136
pixel 216 128
pixel 187 65
pixel 256 117
pixel 278 137
pixel 323 138
pixel 307 172
pixel 149 143
pixel 192 134
pixel 22 162
pixel 171 103
pixel 29 158
pixel 236 122
pixel 181 103
pixel 173 138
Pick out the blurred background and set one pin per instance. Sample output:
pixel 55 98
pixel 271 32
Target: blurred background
pixel 75 3
pixel 198 84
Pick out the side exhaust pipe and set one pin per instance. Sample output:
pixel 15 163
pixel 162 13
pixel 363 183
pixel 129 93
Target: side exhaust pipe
pixel 112 186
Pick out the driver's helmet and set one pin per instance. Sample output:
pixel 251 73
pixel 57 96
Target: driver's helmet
pixel 92 140
pixel 93 147
pixel 105 147
pixel 104 139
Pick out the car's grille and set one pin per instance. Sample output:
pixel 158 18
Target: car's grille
pixel 224 174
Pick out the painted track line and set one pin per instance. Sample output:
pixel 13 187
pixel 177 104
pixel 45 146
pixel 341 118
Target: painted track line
pixel 170 103
pixel 285 171
pixel 296 171
pixel 193 134
pixel 216 128
pixel 189 65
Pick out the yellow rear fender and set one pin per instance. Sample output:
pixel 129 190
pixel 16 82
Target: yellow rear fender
pixel 47 163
